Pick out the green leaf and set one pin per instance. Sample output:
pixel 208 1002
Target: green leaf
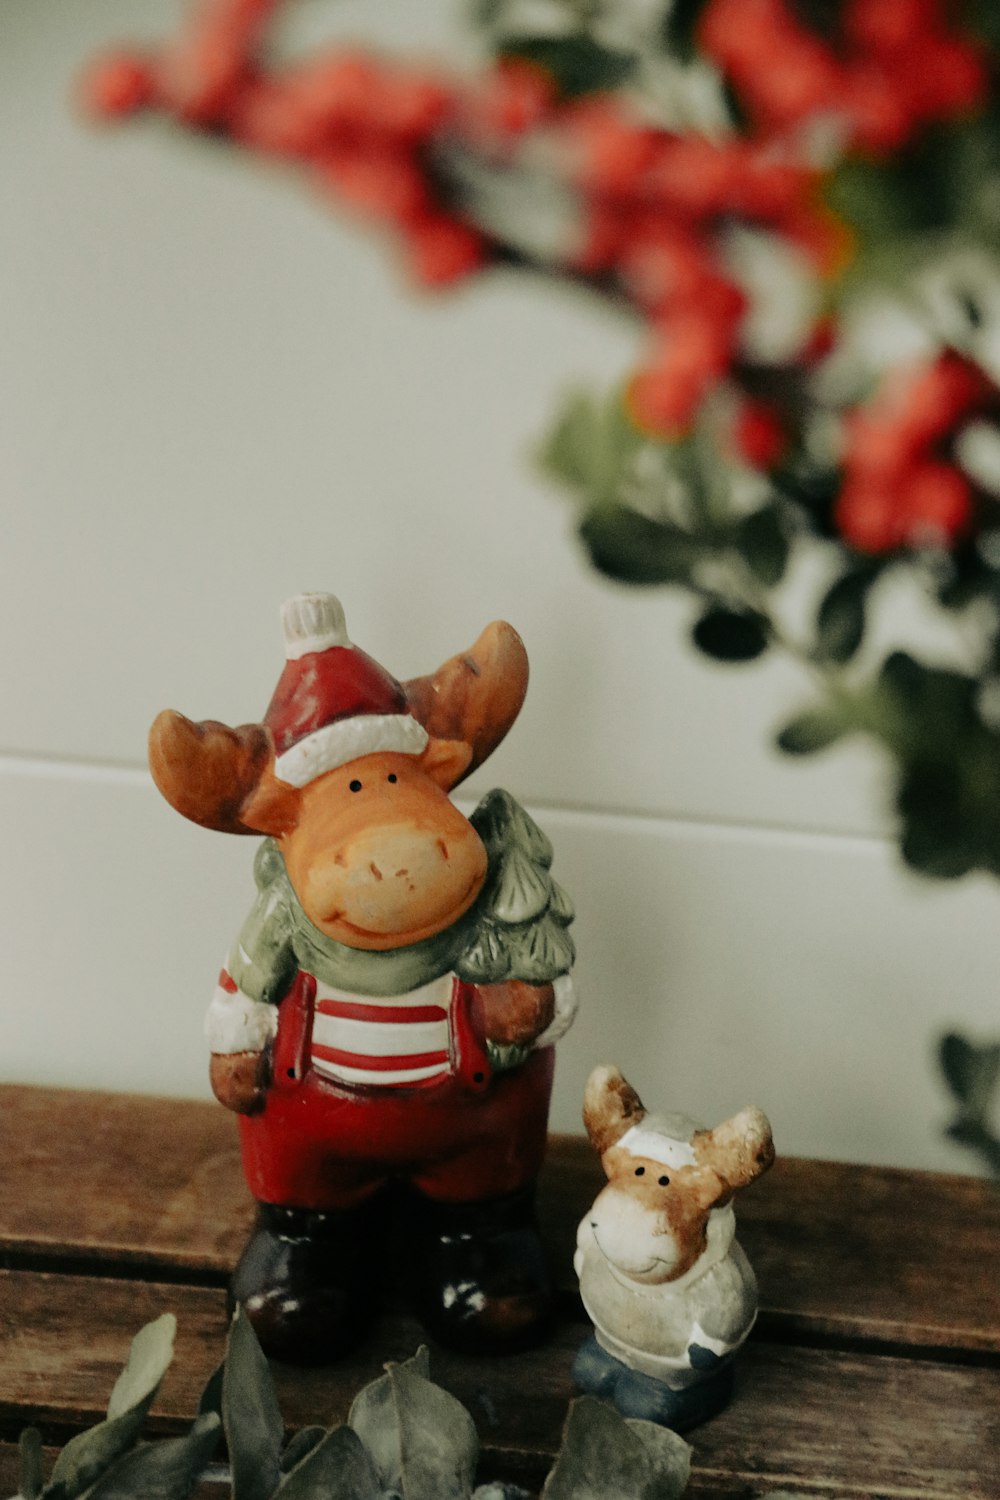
pixel 336 1468
pixel 86 1456
pixel 972 1133
pixel 254 1429
pixel 302 1443
pixel 148 1361
pixel 569 452
pixel 32 1475
pixel 940 838
pixel 840 620
pixel 603 1455
pixel 577 63
pixel 165 1470
pixel 762 540
pixel 731 635
pixel 632 548
pixel 211 1396
pixel 680 28
pixel 972 1072
pixel 422 1440
pixel 814 730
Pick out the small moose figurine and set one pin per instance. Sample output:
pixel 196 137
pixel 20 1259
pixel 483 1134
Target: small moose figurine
pixel 387 1012
pixel 668 1288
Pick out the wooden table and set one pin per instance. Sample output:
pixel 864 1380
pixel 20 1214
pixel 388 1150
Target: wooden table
pixel 874 1370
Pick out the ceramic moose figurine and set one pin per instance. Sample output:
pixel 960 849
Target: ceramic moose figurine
pixel 669 1290
pixel 388 1011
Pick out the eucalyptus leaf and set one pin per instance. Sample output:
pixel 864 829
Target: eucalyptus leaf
pixel 439 1442
pixel 148 1361
pixel 211 1397
pixel 501 1492
pixel 336 1468
pixel 422 1440
pixel 164 1470
pixel 373 1417
pixel 603 1455
pixel 302 1443
pixel 86 1456
pixel 31 1470
pixel 731 635
pixel 254 1428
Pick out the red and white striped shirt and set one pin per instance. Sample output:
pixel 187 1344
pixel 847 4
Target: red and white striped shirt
pixel 383 1041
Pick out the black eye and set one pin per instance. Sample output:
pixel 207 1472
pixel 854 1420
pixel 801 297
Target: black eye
pixel 639 1171
pixel 664 1181
pixel 392 777
pixel 355 786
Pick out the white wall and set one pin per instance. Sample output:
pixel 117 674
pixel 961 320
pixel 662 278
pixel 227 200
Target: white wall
pixel 215 393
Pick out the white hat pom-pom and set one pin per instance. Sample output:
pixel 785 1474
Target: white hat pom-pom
pixel 313 622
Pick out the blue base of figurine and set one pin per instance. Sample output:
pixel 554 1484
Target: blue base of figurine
pixel 598 1373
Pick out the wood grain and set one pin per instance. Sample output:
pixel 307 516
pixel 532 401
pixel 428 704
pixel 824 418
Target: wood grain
pixel 874 1373
pixel 865 1425
pixel 840 1251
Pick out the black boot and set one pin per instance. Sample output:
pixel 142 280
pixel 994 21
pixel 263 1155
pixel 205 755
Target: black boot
pixel 307 1282
pixel 480 1279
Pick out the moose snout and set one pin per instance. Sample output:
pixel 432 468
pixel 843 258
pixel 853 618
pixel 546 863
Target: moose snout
pixel 636 1240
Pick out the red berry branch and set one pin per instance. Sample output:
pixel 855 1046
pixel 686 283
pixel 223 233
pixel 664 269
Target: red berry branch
pixel 800 201
pixel 854 150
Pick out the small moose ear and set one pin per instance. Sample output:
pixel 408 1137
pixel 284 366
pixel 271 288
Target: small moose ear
pixel 611 1106
pixel 445 761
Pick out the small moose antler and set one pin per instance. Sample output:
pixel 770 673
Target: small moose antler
pixel 738 1150
pixel 610 1107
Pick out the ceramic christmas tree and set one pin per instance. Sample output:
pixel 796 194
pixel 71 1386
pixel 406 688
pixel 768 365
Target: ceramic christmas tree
pixel 387 1013
pixel 667 1286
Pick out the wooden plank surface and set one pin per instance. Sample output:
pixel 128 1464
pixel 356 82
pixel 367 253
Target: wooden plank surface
pixel 864 1425
pixel 841 1252
pixel 874 1373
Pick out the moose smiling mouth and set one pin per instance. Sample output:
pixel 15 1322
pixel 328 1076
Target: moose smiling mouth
pixel 369 936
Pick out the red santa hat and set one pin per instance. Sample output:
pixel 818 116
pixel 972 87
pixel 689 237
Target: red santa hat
pixel 333 703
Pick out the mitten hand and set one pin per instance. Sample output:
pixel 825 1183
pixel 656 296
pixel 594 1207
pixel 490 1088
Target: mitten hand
pixel 240 1079
pixel 514 1013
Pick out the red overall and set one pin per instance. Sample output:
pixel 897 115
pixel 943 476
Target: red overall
pixel 468 1136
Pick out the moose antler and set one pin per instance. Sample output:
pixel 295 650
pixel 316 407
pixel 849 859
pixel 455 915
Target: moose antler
pixel 475 696
pixel 207 771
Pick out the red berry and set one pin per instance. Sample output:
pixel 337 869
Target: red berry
pixel 867 516
pixel 515 96
pixel 117 86
pixel 376 182
pixel 443 251
pixel 887 25
pixel 411 107
pixel 938 502
pixel 611 154
pixel 760 434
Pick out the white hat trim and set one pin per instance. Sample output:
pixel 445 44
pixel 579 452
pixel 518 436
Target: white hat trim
pixel 656 1147
pixel 346 739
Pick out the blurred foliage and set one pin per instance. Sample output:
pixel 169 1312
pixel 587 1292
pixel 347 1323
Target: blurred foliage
pixel 799 201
